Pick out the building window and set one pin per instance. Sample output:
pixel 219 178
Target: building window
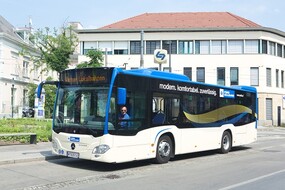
pixel 279 50
pixel 277 77
pixel 151 46
pixel 272 48
pixel 120 51
pixel 251 46
pixel 254 76
pixel 202 47
pixel 282 79
pixel 264 46
pixel 197 47
pixel 135 47
pixel 219 47
pixel 89 46
pixel 170 46
pixel 186 47
pixel 121 48
pixel 188 72
pixel 268 77
pixel 36 73
pixel 200 74
pixel 17 67
pixel 105 47
pixel 268 108
pixel 25 98
pixel 25 69
pixel 221 76
pixel 234 75
pixel 235 46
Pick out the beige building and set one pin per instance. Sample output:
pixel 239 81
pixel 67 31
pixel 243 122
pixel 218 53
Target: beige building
pixel 211 47
pixel 16 70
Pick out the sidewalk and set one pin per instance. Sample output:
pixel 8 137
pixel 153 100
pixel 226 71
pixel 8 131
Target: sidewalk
pixel 10 154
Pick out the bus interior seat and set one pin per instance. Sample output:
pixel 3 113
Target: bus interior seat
pixel 158 119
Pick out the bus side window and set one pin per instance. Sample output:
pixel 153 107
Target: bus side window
pixel 158 115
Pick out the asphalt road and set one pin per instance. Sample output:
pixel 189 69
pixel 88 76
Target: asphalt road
pixel 260 165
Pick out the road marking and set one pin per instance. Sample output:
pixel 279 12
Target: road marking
pixel 252 180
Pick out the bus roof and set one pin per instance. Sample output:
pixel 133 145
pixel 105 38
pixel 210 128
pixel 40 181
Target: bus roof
pixel 156 74
pixel 245 88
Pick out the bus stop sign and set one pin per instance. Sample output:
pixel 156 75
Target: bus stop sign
pixel 160 56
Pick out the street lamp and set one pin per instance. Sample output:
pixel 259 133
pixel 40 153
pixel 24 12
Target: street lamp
pixel 12 97
pixel 169 51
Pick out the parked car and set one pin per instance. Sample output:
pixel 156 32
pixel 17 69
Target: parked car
pixel 28 112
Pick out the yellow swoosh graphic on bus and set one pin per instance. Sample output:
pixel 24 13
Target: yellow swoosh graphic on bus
pixel 218 114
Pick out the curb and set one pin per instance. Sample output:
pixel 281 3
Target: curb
pixel 25 160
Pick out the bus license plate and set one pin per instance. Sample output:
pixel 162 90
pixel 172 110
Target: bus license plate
pixel 72 154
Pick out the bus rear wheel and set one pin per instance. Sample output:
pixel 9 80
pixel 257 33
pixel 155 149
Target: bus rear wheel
pixel 163 150
pixel 226 142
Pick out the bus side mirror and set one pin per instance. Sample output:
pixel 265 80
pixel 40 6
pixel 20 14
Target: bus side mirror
pixel 39 90
pixel 40 86
pixel 122 96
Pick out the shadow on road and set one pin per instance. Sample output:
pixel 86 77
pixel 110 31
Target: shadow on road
pixel 106 167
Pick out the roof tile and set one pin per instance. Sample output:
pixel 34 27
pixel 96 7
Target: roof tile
pixel 183 20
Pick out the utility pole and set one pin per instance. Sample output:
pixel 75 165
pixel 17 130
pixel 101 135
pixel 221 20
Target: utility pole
pixel 170 49
pixel 142 48
pixel 12 97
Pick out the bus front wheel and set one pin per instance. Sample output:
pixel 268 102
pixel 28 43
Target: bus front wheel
pixel 226 142
pixel 163 150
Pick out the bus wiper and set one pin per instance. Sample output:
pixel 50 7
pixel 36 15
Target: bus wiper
pixel 94 133
pixel 59 128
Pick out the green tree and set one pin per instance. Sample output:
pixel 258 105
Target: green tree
pixel 31 94
pixel 54 48
pixel 50 98
pixel 96 59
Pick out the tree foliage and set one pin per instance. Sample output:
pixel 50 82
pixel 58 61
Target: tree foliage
pixel 96 59
pixel 54 48
pixel 31 94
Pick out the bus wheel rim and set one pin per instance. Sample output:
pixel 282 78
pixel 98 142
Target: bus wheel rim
pixel 164 149
pixel 226 142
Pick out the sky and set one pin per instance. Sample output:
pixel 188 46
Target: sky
pixel 97 13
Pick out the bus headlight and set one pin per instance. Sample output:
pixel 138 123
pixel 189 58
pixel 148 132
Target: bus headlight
pixel 101 149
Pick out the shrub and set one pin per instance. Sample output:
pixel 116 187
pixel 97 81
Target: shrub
pixel 41 127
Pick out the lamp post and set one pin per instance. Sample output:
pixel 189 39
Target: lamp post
pixel 12 97
pixel 169 49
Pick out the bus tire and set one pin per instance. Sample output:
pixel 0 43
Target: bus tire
pixel 164 149
pixel 226 142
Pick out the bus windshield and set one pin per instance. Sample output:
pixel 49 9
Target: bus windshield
pixel 82 110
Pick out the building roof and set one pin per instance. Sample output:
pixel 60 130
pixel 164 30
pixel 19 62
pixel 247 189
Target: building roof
pixel 183 21
pixel 7 28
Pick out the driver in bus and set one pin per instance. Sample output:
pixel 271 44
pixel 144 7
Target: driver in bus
pixel 123 117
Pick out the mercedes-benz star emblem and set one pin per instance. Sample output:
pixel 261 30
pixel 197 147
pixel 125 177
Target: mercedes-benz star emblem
pixel 72 146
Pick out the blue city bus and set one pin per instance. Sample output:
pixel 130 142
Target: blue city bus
pixel 168 115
